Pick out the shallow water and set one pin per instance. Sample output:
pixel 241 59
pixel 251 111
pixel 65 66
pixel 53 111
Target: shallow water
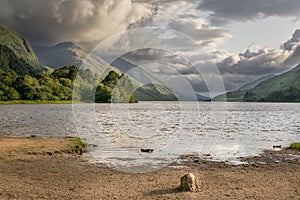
pixel 117 132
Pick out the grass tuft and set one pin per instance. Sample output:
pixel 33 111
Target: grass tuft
pixel 295 145
pixel 78 146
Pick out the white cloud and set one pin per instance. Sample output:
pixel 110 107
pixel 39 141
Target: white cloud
pixel 293 42
pixel 238 69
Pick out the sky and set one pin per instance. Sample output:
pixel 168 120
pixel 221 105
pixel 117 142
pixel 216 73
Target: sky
pixel 245 39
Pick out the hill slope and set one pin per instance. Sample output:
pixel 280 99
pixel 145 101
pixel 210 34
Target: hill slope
pixel 281 88
pixel 16 53
pixel 284 87
pixel 254 83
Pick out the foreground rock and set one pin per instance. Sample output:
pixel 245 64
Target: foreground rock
pixel 188 183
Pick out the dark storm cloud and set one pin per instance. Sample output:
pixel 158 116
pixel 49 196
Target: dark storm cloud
pixel 82 21
pixel 88 22
pixel 224 11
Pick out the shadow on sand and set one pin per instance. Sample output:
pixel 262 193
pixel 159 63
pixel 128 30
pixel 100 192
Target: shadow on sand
pixel 163 192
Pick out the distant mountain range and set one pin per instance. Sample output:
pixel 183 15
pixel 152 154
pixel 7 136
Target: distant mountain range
pixel 275 88
pixel 161 92
pixel 67 53
pixel 16 54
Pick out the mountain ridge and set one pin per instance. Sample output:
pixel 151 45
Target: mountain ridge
pixel 16 52
pixel 19 44
pixel 60 55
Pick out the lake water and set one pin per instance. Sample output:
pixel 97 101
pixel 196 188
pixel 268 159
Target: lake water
pixel 117 132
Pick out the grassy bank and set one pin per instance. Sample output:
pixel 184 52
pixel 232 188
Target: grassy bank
pixel 34 102
pixel 16 146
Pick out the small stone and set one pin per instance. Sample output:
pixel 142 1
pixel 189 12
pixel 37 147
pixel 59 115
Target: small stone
pixel 188 183
pixel 147 150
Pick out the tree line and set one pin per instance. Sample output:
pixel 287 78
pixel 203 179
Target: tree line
pixel 59 85
pixel 291 94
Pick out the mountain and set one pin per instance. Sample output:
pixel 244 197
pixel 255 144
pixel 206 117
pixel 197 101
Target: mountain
pixel 280 88
pixel 155 90
pixel 60 55
pixel 284 87
pixel 238 95
pixel 16 53
pixel 69 54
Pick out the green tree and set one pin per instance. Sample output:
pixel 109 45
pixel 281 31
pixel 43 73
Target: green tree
pixel 111 79
pixel 28 88
pixel 103 94
pixel 8 93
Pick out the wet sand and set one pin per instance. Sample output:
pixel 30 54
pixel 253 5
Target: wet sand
pixel 46 169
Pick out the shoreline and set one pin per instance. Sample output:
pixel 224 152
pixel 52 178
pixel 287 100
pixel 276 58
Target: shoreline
pixel 51 170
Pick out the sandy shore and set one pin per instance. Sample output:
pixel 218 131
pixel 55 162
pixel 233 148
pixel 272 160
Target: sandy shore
pixel 46 169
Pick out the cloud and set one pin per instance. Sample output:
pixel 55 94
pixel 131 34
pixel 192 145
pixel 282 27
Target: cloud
pixel 82 21
pixel 238 69
pixel 88 22
pixel 293 42
pixel 184 17
pixel 224 11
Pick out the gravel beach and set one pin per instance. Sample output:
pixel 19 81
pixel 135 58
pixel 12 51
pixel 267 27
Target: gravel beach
pixel 34 168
